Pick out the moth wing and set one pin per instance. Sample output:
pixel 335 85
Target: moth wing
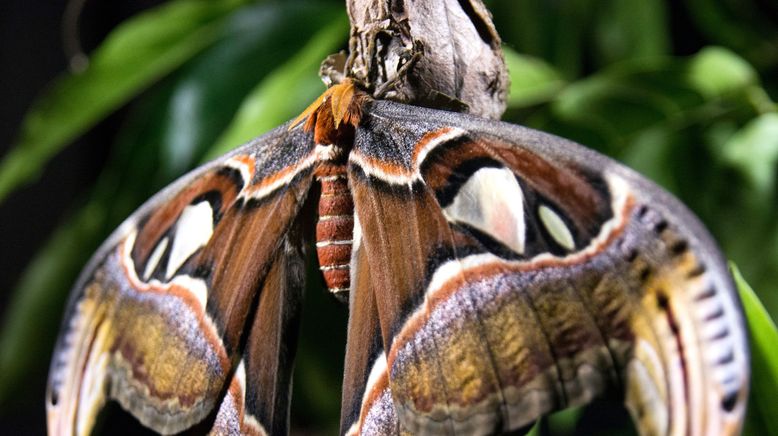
pixel 515 273
pixel 258 397
pixel 156 320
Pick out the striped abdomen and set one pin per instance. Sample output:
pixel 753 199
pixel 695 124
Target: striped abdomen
pixel 334 230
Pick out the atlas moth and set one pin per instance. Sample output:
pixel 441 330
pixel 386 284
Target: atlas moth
pixel 492 273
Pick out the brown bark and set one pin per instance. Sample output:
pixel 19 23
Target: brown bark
pixel 435 53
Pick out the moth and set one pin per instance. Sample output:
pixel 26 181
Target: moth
pixel 493 274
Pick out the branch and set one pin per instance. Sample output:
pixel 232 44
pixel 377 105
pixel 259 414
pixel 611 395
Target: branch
pixel 436 53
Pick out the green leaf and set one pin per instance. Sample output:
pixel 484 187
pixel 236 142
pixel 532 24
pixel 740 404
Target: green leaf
pixel 136 54
pixel 754 151
pixel 764 353
pixel 564 421
pixel 285 92
pixel 533 81
pixel 716 71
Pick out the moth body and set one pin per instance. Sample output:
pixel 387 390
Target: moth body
pixel 332 119
pixel 334 230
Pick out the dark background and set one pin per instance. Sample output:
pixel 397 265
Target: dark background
pixel 31 55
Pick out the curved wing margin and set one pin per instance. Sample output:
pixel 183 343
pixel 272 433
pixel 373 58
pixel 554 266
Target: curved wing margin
pixel 515 273
pixel 157 320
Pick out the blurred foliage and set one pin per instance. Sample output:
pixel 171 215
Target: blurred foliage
pixel 681 91
pixel 764 355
